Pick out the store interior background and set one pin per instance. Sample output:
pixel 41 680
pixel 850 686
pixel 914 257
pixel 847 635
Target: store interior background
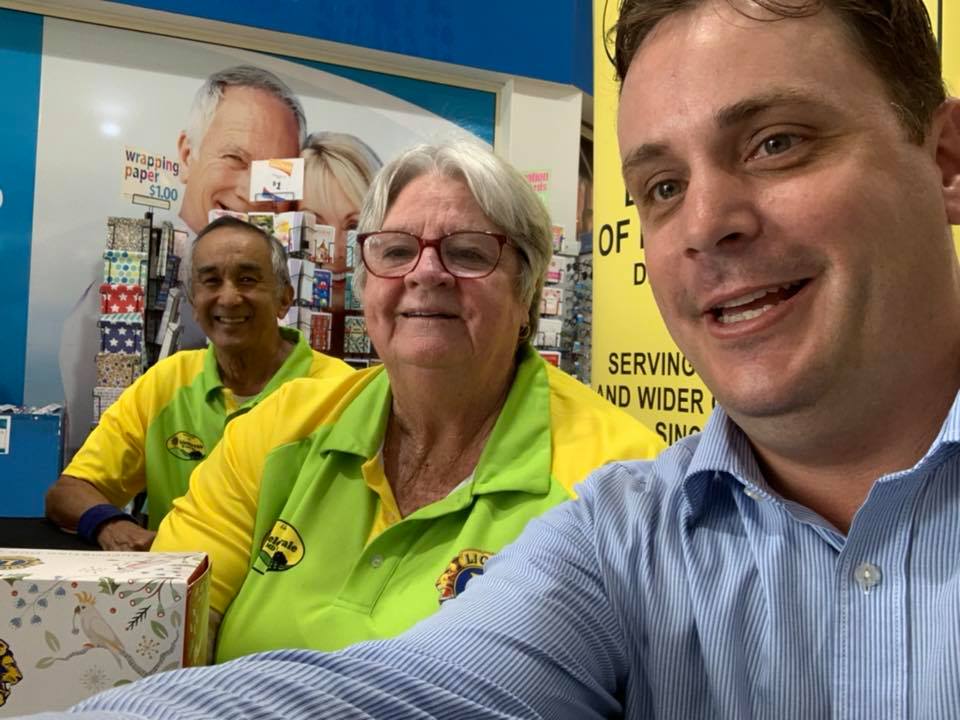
pixel 533 58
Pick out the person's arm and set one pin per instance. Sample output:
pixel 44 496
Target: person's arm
pixel 69 498
pixel 536 636
pixel 109 469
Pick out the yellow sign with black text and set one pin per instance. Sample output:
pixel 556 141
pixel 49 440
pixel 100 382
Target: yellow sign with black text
pixel 636 364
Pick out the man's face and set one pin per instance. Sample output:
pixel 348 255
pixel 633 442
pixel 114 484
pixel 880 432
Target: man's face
pixel 795 239
pixel 248 125
pixel 236 300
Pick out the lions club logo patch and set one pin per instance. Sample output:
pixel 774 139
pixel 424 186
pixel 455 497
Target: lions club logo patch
pixel 467 564
pixel 10 673
pixel 281 549
pixel 18 562
pixel 186 446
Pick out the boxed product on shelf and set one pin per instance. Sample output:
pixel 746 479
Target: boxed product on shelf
pixel 551 303
pixel 103 398
pixel 321 324
pixel 264 221
pixel 169 280
pixel 293 229
pixel 552 356
pixel 324 238
pixel 298 317
pixel 564 245
pixel 352 252
pixel 355 338
pixel 301 277
pixel 549 332
pixel 351 301
pixel 120 298
pixel 118 369
pixel 559 269
pixel 124 267
pixel 78 622
pixel 322 288
pixel 128 234
pixel 121 333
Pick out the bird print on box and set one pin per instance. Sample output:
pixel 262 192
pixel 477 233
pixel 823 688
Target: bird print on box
pixel 97 630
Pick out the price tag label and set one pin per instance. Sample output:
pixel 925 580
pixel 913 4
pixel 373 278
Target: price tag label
pixel 278 180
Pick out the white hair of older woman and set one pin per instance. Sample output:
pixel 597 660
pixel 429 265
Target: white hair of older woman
pixel 210 94
pixel 503 194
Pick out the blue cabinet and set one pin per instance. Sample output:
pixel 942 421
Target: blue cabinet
pixel 32 461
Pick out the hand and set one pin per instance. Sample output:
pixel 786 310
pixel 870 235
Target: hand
pixel 124 535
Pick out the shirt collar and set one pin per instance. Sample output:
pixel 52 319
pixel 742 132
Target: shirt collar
pixel 296 364
pixel 723 449
pixel 516 456
pixel 518 453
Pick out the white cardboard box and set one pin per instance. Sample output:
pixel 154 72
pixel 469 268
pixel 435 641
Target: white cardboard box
pixel 548 332
pixel 551 302
pixel 559 269
pixel 73 623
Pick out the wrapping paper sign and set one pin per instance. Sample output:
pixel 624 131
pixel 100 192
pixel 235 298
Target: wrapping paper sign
pixel 151 175
pixel 277 179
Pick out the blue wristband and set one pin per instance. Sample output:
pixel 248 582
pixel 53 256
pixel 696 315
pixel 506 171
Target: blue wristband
pixel 94 517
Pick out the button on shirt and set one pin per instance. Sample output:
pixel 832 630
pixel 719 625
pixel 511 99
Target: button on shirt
pixel 663 592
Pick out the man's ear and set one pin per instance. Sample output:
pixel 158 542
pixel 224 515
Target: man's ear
pixel 286 301
pixel 185 152
pixel 947 120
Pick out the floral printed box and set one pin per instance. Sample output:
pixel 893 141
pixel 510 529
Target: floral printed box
pixel 73 623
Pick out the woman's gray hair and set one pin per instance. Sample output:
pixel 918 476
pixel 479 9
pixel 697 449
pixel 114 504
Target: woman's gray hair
pixel 503 194
pixel 210 94
pixel 278 253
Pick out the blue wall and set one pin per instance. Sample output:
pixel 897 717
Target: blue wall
pixel 21 38
pixel 543 39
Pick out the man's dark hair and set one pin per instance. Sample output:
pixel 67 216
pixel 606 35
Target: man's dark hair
pixel 894 36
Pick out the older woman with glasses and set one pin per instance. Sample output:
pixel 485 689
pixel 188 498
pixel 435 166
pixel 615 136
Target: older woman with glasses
pixel 345 510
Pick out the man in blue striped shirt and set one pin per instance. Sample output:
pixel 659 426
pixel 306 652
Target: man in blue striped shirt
pixel 796 166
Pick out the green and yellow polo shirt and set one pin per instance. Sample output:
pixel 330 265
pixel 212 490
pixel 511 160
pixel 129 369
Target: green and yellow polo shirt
pixel 307 544
pixel 160 428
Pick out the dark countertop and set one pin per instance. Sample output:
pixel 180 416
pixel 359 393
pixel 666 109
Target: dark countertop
pixel 19 532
